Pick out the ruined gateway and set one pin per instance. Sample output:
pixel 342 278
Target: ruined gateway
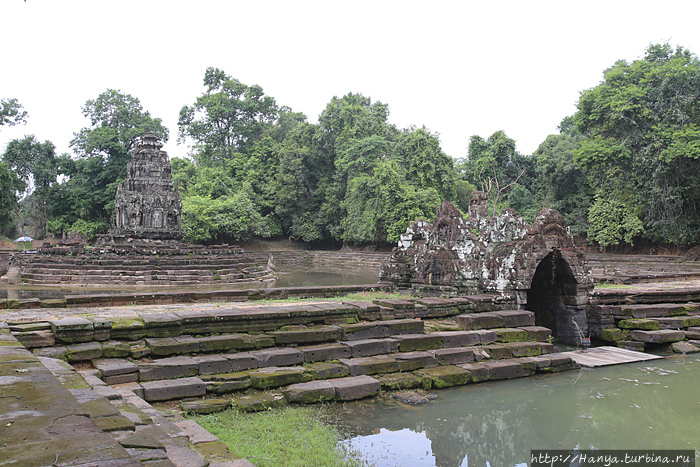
pixel 146 205
pixel 536 267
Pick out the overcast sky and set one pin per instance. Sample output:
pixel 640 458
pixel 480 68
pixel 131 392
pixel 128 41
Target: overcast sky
pixel 459 68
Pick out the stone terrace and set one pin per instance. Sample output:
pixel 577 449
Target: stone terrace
pixel 646 316
pixel 116 361
pixel 630 269
pixel 154 270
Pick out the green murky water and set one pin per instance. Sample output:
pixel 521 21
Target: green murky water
pixel 648 405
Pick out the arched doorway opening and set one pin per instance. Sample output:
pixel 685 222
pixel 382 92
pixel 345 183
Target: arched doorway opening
pixel 553 297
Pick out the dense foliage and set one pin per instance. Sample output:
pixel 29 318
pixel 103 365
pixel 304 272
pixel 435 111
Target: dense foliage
pixel 622 169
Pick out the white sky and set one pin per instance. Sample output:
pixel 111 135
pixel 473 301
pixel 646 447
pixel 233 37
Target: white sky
pixel 458 67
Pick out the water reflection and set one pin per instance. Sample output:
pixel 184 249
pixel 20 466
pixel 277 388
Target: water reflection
pixel 638 406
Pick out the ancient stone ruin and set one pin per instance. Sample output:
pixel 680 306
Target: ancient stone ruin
pixel 146 205
pixel 536 267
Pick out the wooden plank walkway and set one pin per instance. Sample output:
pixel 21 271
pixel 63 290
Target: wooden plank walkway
pixel 604 356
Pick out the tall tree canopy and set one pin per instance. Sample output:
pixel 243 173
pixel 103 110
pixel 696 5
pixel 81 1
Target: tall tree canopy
pixel 11 112
pixel 229 117
pixel 117 121
pixel 642 141
pixel 35 164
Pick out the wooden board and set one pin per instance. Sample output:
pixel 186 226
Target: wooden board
pixel 603 356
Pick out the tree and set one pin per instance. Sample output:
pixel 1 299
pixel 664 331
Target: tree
pixel 494 165
pixel 117 121
pixel 36 165
pixel 642 129
pixel 228 118
pixel 9 185
pixel 427 166
pixel 11 112
pixel 562 184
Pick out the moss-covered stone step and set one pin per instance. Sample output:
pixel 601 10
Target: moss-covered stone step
pixel 657 337
pixel 496 319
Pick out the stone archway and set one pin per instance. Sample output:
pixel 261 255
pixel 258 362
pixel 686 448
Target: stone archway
pixel 553 296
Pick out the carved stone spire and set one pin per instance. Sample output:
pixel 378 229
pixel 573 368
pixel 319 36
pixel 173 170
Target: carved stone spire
pixel 146 204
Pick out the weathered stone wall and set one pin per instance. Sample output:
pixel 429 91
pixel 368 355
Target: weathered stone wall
pixel 502 254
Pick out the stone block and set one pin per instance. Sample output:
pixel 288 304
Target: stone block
pixel 259 402
pixel 205 406
pixel 361 331
pixel 684 347
pixel 691 321
pixel 307 393
pixel 454 356
pixel 537 333
pixel 225 343
pixel 504 369
pixel 227 383
pixel 475 321
pixel 212 364
pixel 114 349
pixel 511 335
pixel 115 423
pixel 403 326
pixel 168 368
pixel 112 367
pixel 326 370
pixel 83 352
pixel 478 371
pixel 173 389
pixel 317 353
pixel 611 334
pixel 631 345
pixel 278 357
pixel 399 381
pixel 36 339
pixel 524 349
pixel 497 352
pixel 371 365
pixel 410 361
pixel 188 344
pixel 121 379
pixel 487 336
pixel 444 377
pixel 241 361
pixel 643 324
pixel 127 329
pixel 458 338
pixel 369 347
pixel 657 337
pixel 516 318
pixel 415 342
pixel 307 336
pixel 72 330
pixel 273 377
pixel 355 387
pixel 163 346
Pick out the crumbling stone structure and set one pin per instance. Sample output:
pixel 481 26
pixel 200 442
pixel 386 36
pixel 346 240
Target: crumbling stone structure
pixel 536 267
pixel 146 205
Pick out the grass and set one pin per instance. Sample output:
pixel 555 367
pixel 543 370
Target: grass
pixel 364 296
pixel 289 437
pixel 608 285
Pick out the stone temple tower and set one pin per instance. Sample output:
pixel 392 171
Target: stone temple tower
pixel 147 206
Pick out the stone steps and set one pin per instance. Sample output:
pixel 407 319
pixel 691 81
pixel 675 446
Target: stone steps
pixel 176 377
pixel 496 319
pixel 61 417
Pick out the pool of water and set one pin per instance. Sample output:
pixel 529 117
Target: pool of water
pixel 648 405
pixel 284 279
